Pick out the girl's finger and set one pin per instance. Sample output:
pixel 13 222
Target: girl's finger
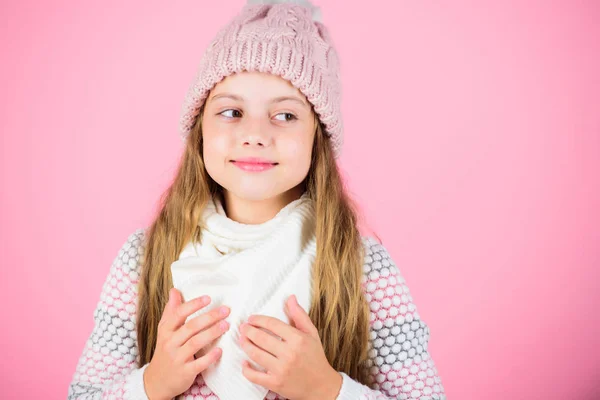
pixel 255 376
pixel 264 340
pixel 275 325
pixel 203 339
pixel 258 355
pixel 176 312
pixel 198 324
pixel 200 364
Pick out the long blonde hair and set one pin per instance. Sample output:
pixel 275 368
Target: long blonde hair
pixel 339 309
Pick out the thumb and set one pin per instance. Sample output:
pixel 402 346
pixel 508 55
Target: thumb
pixel 299 316
pixel 169 319
pixel 174 297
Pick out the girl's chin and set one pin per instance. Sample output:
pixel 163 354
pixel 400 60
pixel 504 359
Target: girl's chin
pixel 254 191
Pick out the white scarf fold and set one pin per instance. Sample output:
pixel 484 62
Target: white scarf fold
pixel 252 269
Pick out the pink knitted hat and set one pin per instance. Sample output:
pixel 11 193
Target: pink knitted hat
pixel 286 38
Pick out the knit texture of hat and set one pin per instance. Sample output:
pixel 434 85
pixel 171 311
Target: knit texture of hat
pixel 285 38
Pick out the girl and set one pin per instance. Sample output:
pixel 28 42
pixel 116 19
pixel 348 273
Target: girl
pixel 253 281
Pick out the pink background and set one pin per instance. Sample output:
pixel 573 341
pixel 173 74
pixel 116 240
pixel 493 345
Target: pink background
pixel 472 142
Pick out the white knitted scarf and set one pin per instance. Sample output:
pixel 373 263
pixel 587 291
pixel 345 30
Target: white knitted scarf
pixel 252 269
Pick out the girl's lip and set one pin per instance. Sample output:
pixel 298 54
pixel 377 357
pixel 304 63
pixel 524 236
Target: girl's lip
pixel 253 166
pixel 254 160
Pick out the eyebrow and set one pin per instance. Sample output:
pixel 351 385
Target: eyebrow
pixel 274 100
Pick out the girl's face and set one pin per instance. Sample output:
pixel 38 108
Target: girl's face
pixel 254 114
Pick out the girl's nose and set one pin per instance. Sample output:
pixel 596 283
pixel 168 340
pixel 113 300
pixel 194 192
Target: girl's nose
pixel 255 133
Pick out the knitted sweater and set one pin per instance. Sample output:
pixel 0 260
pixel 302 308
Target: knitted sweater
pixel 400 367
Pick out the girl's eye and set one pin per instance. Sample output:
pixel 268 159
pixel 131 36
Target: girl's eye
pixel 221 113
pixel 291 116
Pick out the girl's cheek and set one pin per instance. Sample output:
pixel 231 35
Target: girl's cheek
pixel 297 148
pixel 218 136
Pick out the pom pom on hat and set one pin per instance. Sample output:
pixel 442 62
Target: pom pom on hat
pixel 316 11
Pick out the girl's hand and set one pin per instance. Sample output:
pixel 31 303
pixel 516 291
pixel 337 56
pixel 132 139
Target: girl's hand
pixel 293 364
pixel 173 368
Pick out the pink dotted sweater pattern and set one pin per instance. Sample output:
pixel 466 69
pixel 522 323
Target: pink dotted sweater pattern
pixel 400 367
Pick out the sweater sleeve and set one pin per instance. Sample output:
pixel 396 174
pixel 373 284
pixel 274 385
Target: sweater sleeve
pixel 400 367
pixel 107 366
